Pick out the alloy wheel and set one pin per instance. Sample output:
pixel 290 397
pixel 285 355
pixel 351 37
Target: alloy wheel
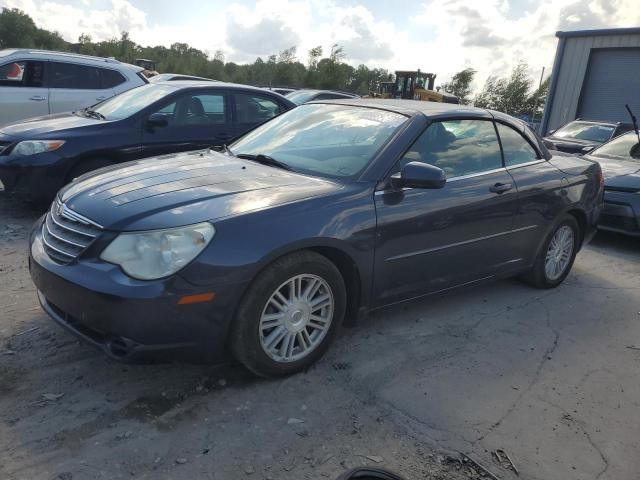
pixel 296 318
pixel 559 253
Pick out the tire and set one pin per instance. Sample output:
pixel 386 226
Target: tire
pixel 86 166
pixel 268 332
pixel 369 473
pixel 542 277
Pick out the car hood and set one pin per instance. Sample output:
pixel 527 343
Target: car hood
pixel 49 125
pixel 619 173
pixel 185 188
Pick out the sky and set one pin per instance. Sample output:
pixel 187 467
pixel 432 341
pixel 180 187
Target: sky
pixel 437 36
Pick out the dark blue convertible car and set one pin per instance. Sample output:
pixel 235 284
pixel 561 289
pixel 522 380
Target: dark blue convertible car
pixel 329 210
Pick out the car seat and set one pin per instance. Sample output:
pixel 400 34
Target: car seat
pixel 190 111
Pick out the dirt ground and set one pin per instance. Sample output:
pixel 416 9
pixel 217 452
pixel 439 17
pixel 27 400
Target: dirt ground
pixel 551 377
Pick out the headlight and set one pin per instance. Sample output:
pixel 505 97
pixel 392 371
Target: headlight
pixel 31 147
pixel 158 253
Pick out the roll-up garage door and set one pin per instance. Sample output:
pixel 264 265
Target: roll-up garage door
pixel 612 79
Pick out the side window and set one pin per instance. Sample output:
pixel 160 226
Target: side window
pixel 252 108
pixel 459 147
pixel 199 110
pixel 110 78
pixel 22 74
pixel 516 148
pixel 78 77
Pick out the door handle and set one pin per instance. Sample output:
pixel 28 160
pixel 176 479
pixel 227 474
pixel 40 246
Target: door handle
pixel 500 188
pixel 38 98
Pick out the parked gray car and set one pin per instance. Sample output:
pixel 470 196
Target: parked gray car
pixel 620 161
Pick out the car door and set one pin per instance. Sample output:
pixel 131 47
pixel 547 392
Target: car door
pixel 538 185
pixel 74 86
pixel 252 109
pixel 433 239
pixel 195 119
pixel 23 92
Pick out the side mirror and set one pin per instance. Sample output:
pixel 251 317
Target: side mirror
pixel 551 132
pixel 587 149
pixel 419 175
pixel 635 151
pixel 157 120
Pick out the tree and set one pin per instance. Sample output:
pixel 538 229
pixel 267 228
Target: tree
pixel 85 45
pixel 218 56
pixel 460 85
pixel 512 95
pixel 337 53
pixel 538 98
pixel 287 56
pixel 17 29
pixel 314 55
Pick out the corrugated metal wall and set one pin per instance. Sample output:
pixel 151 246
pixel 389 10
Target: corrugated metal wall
pixel 612 80
pixel 572 71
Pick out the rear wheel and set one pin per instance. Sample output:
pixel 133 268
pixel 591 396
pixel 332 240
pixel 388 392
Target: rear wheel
pixel 289 315
pixel 557 255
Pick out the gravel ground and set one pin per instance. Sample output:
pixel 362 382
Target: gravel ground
pixel 547 376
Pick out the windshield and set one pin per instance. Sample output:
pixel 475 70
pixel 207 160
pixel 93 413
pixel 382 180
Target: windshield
pixel 585 131
pixel 301 96
pixel 132 101
pixel 334 141
pixel 620 147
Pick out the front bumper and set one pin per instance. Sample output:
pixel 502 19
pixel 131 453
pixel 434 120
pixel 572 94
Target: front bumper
pixel 37 178
pixel 621 213
pixel 132 320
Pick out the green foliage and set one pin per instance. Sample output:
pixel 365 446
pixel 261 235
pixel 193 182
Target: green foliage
pixel 460 85
pixel 513 95
pixel 18 30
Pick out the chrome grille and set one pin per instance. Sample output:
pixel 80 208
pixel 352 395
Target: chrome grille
pixel 66 234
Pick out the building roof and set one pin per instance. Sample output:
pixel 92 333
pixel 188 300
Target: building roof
pixel 599 32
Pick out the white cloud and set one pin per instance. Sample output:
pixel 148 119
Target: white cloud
pixel 440 36
pixel 481 34
pixel 72 21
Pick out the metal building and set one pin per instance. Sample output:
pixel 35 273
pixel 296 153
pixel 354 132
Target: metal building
pixel 595 72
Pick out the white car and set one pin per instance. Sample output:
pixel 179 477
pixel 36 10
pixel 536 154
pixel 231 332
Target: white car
pixel 37 82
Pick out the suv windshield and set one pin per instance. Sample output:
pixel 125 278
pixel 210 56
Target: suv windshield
pixel 334 141
pixel 592 132
pixel 130 102
pixel 620 147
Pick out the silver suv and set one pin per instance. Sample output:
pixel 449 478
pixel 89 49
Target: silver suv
pixel 37 82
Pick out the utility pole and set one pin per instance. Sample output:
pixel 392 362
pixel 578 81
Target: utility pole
pixel 533 114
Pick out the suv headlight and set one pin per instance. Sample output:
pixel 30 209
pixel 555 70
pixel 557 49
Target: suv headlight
pixel 32 147
pixel 158 253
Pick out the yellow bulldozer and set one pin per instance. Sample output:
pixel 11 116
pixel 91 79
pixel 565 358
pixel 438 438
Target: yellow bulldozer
pixel 414 85
pixel 148 65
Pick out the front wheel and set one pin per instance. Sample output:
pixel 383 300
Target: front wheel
pixel 557 255
pixel 289 315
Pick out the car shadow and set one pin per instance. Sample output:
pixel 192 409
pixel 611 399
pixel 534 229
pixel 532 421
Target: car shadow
pixel 617 245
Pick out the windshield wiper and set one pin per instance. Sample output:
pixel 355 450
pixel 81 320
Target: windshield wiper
pixel 222 148
pixel 264 160
pixel 93 114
